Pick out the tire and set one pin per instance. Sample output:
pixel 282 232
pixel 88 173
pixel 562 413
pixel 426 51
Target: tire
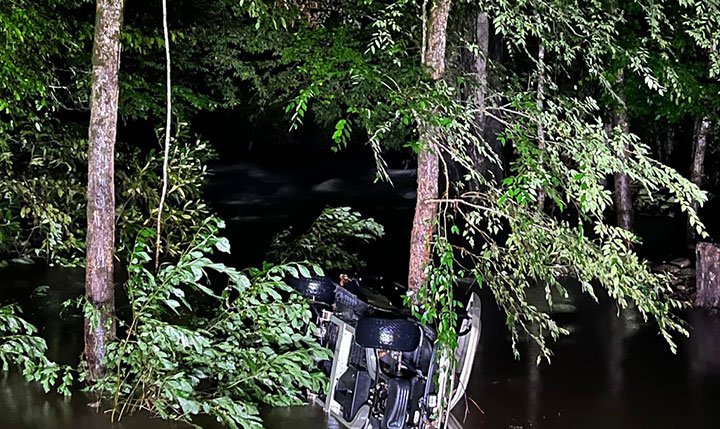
pixel 399 335
pixel 318 289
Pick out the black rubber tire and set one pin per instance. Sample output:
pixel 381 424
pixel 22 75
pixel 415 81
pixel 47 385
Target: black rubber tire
pixel 319 289
pixel 399 335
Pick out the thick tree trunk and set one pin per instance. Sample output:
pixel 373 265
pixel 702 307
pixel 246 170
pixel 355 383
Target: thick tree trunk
pixel 704 347
pixel 101 188
pixel 708 275
pixel 700 136
pixel 623 193
pixel 428 162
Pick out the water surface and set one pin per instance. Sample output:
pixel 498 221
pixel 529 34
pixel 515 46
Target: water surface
pixel 611 372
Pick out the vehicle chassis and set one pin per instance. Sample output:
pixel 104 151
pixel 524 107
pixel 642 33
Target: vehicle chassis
pixel 467 346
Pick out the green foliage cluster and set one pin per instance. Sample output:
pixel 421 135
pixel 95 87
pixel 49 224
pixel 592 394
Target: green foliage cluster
pixel 219 349
pixel 353 67
pixel 44 91
pixel 44 206
pixel 330 242
pixel 185 207
pixel 21 347
pixel 40 75
pixel 493 230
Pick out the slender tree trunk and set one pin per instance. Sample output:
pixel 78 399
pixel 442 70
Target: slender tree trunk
pixel 479 65
pixel 666 145
pixel 670 143
pixel 702 128
pixel 428 162
pixel 540 107
pixel 623 201
pixel 101 188
pixel 708 275
pixel 623 193
pixel 534 382
pixel 700 137
pixel 480 34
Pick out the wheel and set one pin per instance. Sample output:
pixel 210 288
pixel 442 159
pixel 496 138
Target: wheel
pixel 319 289
pixel 389 334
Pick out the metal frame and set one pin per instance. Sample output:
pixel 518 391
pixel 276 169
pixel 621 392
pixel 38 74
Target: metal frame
pixel 345 339
pixel 465 356
pixel 467 347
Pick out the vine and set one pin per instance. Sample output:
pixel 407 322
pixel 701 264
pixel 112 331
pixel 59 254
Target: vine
pixel 168 119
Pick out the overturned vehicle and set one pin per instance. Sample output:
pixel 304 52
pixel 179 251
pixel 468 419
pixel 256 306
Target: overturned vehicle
pixel 386 371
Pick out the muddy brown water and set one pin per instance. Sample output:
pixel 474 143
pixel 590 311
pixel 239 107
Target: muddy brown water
pixel 610 372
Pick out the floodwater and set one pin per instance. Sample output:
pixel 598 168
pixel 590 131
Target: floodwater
pixel 610 372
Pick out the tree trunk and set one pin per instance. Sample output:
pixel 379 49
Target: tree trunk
pixel 700 135
pixel 540 107
pixel 428 163
pixel 479 32
pixel 623 201
pixel 708 275
pixel 667 145
pixel 101 188
pixel 479 65
pixel 623 193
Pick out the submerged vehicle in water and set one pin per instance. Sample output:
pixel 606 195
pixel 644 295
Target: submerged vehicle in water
pixel 386 371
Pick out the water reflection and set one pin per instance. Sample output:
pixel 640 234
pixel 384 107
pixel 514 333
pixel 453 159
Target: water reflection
pixel 615 354
pixel 611 372
pixel 534 384
pixel 25 406
pixel 704 347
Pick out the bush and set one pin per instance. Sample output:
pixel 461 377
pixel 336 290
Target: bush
pixel 21 347
pixel 195 348
pixel 329 240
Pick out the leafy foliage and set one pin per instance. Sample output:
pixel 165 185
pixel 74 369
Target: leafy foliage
pixel 330 240
pixel 39 75
pixel 220 349
pixel 494 230
pixel 21 347
pixel 353 66
pixel 44 78
pixel 185 208
pixel 507 244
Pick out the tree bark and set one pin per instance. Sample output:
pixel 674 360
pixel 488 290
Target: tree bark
pixel 480 34
pixel 479 65
pixel 101 188
pixel 667 145
pixel 623 193
pixel 428 162
pixel 540 107
pixel 700 136
pixel 699 144
pixel 708 275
